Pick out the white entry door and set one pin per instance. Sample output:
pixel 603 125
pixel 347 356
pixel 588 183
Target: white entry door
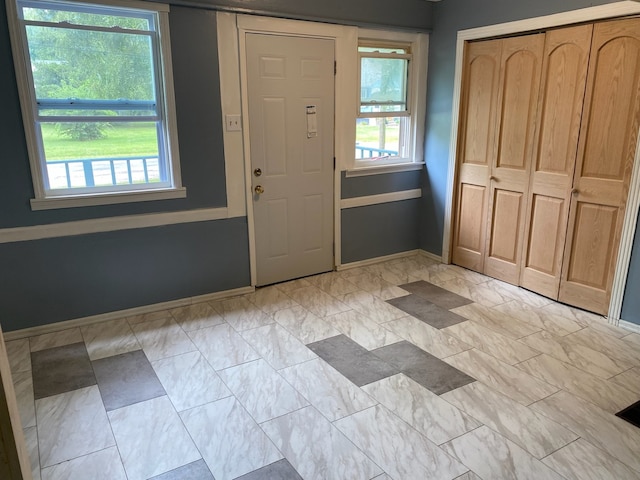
pixel 290 84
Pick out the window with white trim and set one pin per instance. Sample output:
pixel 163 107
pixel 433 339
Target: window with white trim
pixel 97 98
pixel 383 124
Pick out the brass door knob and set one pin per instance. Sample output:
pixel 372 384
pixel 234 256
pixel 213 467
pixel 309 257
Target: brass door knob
pixel 259 189
pixel 575 191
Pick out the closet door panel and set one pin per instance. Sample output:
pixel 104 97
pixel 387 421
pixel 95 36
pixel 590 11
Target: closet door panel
pixel 521 67
pixel 507 208
pixel 564 75
pixel 548 223
pixel 607 145
pixel 475 151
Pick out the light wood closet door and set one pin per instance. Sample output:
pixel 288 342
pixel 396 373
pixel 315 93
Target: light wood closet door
pixel 521 67
pixel 564 75
pixel 475 151
pixel 606 152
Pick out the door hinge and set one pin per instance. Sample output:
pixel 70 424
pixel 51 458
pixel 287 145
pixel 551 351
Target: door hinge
pixel 335 67
pixel 334 163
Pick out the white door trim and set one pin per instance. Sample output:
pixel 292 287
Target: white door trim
pixel 232 29
pixel 601 12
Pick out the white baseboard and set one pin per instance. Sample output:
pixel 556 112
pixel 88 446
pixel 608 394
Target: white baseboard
pixel 103 317
pixel 633 327
pixel 373 261
pixel 432 256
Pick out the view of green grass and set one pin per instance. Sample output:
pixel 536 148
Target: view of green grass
pixel 121 140
pixel 368 134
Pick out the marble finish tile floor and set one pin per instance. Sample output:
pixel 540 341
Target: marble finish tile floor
pixel 405 369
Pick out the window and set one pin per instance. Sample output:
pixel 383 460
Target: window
pixel 96 95
pixel 384 116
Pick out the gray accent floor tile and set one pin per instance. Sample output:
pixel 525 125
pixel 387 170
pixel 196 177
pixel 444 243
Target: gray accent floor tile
pixel 419 307
pixel 61 369
pixel 422 367
pixel 280 470
pixel 193 471
pixel 437 295
pixel 126 379
pixel 352 360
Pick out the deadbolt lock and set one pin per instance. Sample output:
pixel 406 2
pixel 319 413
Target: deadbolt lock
pixel 257 172
pixel 259 189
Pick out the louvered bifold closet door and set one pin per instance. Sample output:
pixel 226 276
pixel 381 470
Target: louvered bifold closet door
pixel 476 151
pixel 521 68
pixel 606 150
pixel 564 75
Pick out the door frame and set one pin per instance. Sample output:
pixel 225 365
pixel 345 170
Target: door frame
pixel 601 12
pixel 232 30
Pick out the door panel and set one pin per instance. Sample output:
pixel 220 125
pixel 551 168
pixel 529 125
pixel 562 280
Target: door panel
pixel 469 237
pixel 592 240
pixel 507 207
pixel 313 233
pixel 278 214
pixel 293 217
pixel 483 70
pixel 547 223
pixel 476 150
pixel 518 99
pixel 614 84
pixel 520 87
pixel 566 59
pixel 607 145
pixel 274 145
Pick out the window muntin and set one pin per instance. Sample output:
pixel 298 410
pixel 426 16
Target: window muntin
pixel 384 119
pixel 96 84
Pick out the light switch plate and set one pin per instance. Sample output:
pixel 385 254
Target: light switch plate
pixel 233 123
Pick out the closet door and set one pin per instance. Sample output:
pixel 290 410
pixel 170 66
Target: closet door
pixel 606 150
pixel 521 67
pixel 475 151
pixel 564 75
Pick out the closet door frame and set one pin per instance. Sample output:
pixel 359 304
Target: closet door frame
pixel 591 14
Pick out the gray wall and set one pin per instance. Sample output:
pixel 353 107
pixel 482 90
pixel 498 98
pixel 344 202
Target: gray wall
pixel 379 230
pixel 450 16
pixel 631 303
pixel 384 229
pixel 56 279
pixel 406 14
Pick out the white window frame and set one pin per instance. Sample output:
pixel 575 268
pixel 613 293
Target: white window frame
pixel 77 197
pixel 416 101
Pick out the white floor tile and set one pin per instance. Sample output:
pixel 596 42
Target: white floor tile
pixel 107 339
pixel 102 465
pixel 316 449
pixel 72 424
pixel 262 391
pixel 493 456
pixel 425 411
pixel 189 380
pixel 277 346
pixel 326 389
pixel 151 438
pixel 230 441
pixel 400 450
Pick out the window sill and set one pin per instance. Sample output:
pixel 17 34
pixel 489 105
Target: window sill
pixel 106 199
pixel 382 169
